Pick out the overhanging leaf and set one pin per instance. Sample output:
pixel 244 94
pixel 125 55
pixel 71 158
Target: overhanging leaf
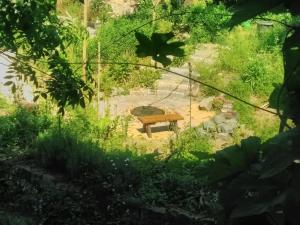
pixel 276 163
pixel 158 47
pixel 7 83
pixel 258 206
pixel 249 9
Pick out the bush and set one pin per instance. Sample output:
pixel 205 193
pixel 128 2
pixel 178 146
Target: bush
pixel 144 78
pixel 210 74
pixel 22 127
pixel 189 143
pixel 256 69
pixel 205 22
pixel 108 132
pixel 63 152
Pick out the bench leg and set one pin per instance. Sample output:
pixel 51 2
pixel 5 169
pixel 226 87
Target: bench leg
pixel 148 130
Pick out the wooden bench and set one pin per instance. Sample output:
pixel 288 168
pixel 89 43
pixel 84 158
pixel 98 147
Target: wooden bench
pixel 147 121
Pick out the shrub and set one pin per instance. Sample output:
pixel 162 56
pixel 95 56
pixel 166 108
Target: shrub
pixel 210 74
pixel 204 22
pixel 190 142
pixel 22 127
pixel 65 153
pixel 144 78
pixel 239 46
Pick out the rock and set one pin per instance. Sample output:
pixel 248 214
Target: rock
pixel 228 127
pixel 233 122
pixel 206 103
pixel 200 131
pixel 231 115
pixel 224 137
pixel 209 126
pixel 227 107
pixel 220 118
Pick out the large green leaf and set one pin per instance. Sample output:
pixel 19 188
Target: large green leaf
pixel 251 8
pixel 291 53
pixel 280 153
pixel 233 160
pixel 159 47
pixel 276 163
pixel 258 206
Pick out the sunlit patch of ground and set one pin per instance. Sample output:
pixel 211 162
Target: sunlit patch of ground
pixel 161 134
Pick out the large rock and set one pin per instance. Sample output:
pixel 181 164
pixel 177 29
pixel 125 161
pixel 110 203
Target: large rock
pixel 210 126
pixel 220 118
pixel 224 137
pixel 206 103
pixel 229 126
pixel 227 107
pixel 231 115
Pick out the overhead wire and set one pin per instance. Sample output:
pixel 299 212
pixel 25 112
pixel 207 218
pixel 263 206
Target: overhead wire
pixel 192 79
pixel 161 68
pixel 170 71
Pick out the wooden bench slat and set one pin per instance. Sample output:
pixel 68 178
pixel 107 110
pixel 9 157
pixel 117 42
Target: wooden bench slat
pixel 160 118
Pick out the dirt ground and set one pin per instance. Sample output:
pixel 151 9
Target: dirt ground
pixel 161 136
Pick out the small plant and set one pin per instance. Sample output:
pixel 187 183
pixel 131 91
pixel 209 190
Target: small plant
pixel 144 78
pixel 217 104
pixel 63 152
pixel 22 127
pixel 255 75
pixel 190 142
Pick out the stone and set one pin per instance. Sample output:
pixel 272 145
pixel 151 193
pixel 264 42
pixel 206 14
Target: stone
pixel 233 122
pixel 227 107
pixel 220 118
pixel 231 115
pixel 228 127
pixel 209 126
pixel 206 103
pixel 224 137
pixel 201 131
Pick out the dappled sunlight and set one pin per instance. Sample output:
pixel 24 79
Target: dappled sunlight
pixel 149 112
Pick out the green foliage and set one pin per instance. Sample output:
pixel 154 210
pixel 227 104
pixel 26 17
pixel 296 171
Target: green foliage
pixel 110 32
pixel 204 23
pixel 211 75
pixel 265 190
pixel 109 133
pixel 144 78
pixel 32 31
pixel 64 153
pixel 10 219
pixel 99 10
pixel 159 47
pixel 232 160
pixel 5 106
pixel 247 55
pixel 163 26
pixel 190 144
pixel 21 128
pixel 269 186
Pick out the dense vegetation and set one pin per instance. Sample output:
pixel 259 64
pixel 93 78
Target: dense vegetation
pixel 75 168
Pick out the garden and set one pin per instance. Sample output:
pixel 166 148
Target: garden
pixel 78 150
